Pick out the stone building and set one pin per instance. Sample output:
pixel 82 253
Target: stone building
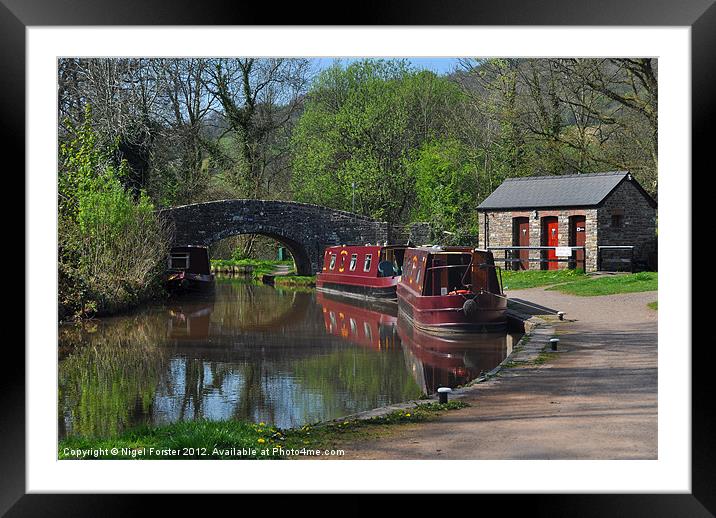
pixel 590 210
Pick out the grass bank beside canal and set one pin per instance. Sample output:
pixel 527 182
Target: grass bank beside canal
pixel 610 285
pixel 576 282
pixel 257 268
pixel 522 279
pixel 295 280
pixel 241 440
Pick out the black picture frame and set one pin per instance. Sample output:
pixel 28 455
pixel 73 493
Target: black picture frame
pixel 700 15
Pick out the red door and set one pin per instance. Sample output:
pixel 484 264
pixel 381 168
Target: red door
pixel 577 235
pixel 550 237
pixel 521 237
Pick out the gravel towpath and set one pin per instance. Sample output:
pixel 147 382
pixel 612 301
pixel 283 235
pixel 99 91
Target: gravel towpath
pixel 595 399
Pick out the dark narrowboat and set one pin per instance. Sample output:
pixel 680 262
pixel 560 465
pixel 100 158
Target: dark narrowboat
pixel 451 289
pixel 188 270
pixel 364 272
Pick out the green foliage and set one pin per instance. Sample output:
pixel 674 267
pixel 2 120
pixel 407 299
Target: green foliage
pixel 111 245
pixel 446 188
pixel 360 127
pixel 238 254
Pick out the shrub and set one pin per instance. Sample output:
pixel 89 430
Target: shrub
pixel 112 245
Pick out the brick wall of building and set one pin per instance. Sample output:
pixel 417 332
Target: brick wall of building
pixel 500 225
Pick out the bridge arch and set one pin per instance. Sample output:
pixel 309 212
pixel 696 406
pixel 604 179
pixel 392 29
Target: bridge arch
pixel 299 251
pixel 303 228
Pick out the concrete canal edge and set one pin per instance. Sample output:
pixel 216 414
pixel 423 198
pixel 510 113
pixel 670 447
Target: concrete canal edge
pixel 535 340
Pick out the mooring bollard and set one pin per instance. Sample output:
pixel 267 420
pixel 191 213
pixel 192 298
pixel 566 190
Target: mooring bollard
pixel 443 394
pixel 553 343
pixel 560 314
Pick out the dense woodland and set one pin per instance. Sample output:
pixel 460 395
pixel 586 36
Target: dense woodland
pixel 378 137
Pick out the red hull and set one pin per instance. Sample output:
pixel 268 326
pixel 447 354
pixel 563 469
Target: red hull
pixel 446 313
pixel 358 287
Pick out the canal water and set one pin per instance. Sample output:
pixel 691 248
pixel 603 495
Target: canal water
pixel 254 352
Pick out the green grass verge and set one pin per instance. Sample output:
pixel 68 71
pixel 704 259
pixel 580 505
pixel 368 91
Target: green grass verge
pixel 295 280
pixel 610 285
pixel 238 439
pixel 259 267
pixel 654 305
pixel 521 279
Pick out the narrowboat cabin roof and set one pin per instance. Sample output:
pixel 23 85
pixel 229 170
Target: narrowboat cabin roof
pixel 189 258
pixel 431 284
pixel 438 249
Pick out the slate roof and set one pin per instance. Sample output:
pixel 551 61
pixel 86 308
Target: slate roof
pixel 571 190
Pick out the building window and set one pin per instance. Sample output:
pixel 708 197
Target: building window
pixel 333 261
pixel 179 262
pixel 366 264
pixel 354 261
pixel 617 220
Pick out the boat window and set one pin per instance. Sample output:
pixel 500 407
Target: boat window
pixel 342 266
pixel 366 264
pixel 179 262
pixel 333 261
pixel 385 269
pixel 354 262
pixel 417 277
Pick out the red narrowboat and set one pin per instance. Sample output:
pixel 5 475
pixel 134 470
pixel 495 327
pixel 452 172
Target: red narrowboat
pixel 451 289
pixel 188 270
pixel 364 272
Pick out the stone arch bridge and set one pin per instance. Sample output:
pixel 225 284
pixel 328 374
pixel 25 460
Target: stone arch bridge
pixel 303 228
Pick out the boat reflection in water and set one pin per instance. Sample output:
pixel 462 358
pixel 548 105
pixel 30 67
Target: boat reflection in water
pixel 359 323
pixel 191 324
pixel 451 361
pixel 434 361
